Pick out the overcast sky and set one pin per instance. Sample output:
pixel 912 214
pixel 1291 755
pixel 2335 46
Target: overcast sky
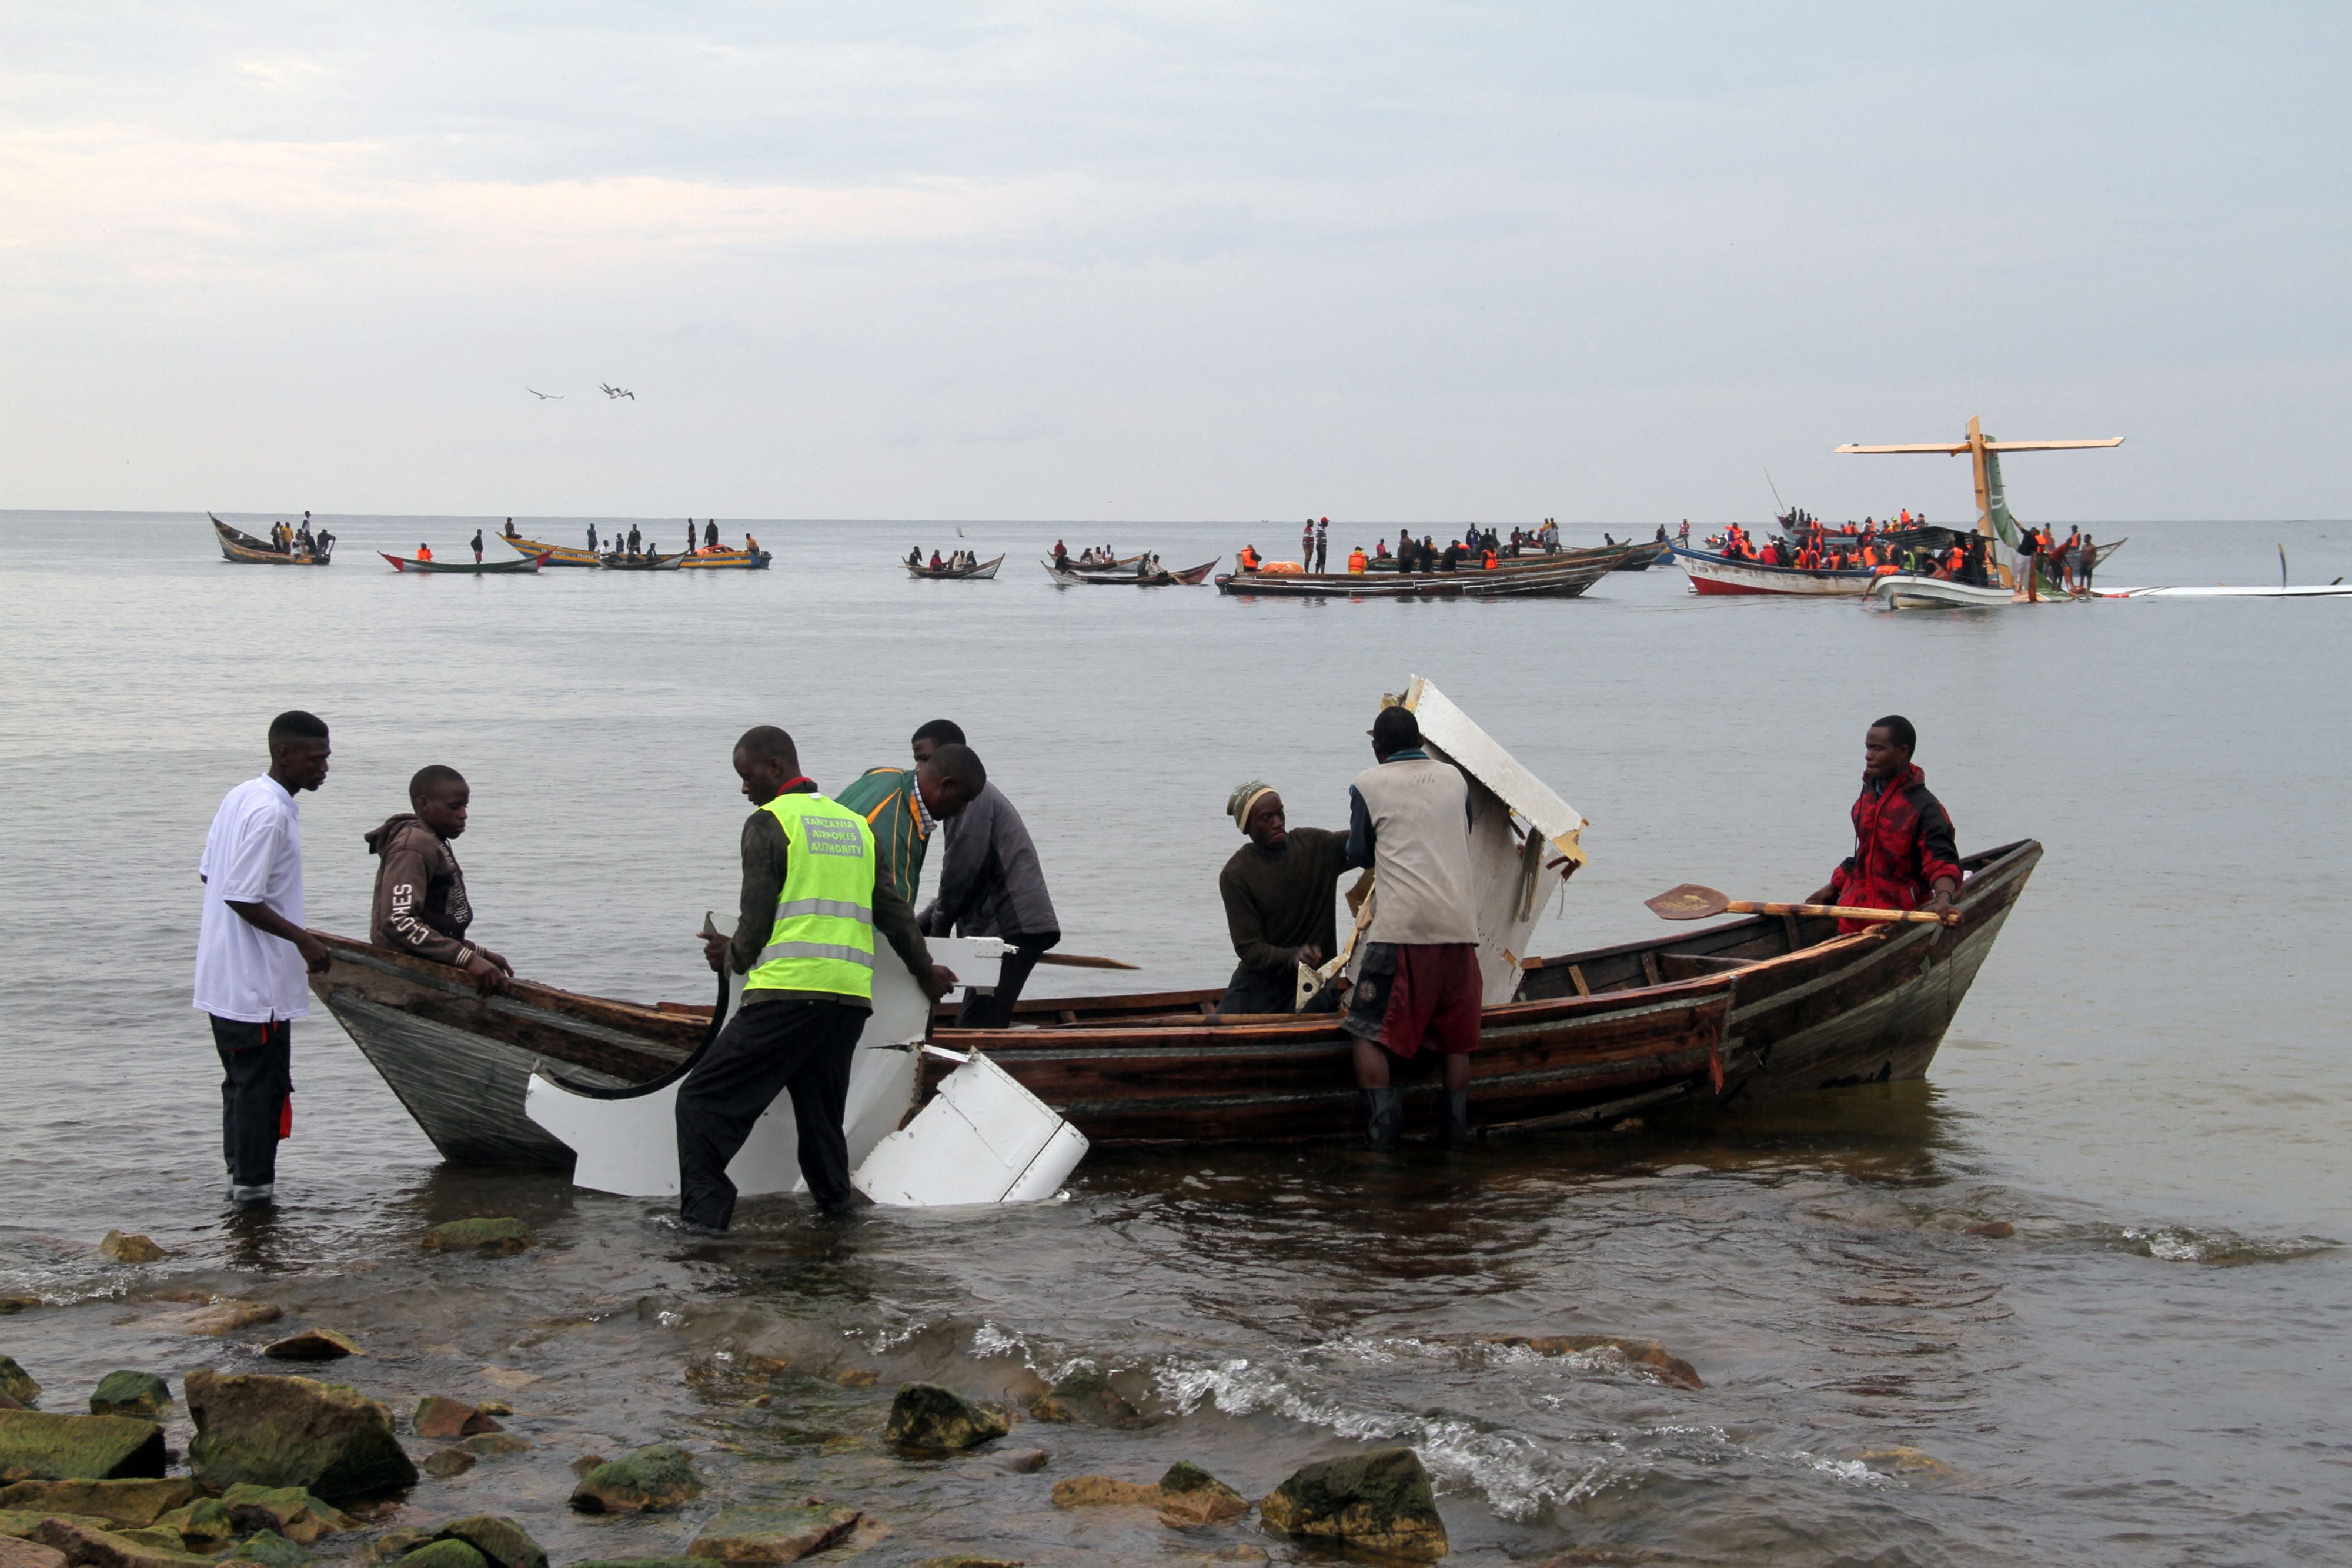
pixel 1172 261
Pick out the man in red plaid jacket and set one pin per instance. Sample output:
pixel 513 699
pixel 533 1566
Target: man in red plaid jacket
pixel 1903 856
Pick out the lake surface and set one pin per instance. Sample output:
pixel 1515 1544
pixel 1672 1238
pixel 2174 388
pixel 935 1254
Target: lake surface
pixel 2150 1080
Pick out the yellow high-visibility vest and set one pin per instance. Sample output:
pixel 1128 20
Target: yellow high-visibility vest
pixel 824 936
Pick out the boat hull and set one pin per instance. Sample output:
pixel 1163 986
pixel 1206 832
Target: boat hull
pixel 1713 574
pixel 1190 577
pixel 401 563
pixel 1540 577
pixel 1900 591
pixel 980 573
pixel 728 560
pixel 554 555
pixel 242 548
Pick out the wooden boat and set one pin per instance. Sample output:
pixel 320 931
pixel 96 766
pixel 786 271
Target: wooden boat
pixel 980 571
pixel 642 563
pixel 1719 574
pixel 237 546
pixel 1191 576
pixel 728 560
pixel 1562 576
pixel 1124 563
pixel 1643 556
pixel 554 555
pixel 1772 1004
pixel 471 568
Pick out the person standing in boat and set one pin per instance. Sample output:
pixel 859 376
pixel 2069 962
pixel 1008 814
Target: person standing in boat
pixel 814 894
pixel 1322 543
pixel 591 539
pixel 633 537
pixel 2086 560
pixel 1408 820
pixel 477 547
pixel 991 885
pixel 1279 892
pixel 709 533
pixel 1903 854
pixel 252 950
pixel 421 906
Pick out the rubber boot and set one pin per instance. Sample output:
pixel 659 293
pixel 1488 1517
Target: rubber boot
pixel 1383 1117
pixel 1457 1118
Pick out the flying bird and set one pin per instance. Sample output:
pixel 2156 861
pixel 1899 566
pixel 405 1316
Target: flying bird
pixel 544 397
pixel 618 391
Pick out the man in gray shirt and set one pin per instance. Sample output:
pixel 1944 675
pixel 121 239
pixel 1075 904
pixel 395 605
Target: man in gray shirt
pixel 991 885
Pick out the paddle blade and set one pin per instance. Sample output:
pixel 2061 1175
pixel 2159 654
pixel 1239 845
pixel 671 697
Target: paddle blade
pixel 1688 901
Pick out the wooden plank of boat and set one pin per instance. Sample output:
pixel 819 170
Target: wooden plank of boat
pixel 1554 578
pixel 1645 555
pixel 470 567
pixel 554 555
pixel 981 571
pixel 237 546
pixel 1718 574
pixel 642 563
pixel 1903 590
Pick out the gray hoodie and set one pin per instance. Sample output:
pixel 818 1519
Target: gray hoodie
pixel 989 882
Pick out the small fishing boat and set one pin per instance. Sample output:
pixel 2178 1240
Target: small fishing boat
pixel 1711 573
pixel 642 563
pixel 243 548
pixel 553 554
pixel 1563 576
pixel 1903 591
pixel 977 572
pixel 470 567
pixel 1099 564
pixel 728 560
pixel 1191 576
pixel 1643 556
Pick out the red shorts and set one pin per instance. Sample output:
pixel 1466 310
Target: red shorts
pixel 1409 995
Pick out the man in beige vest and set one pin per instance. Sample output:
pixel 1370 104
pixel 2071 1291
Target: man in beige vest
pixel 1409 819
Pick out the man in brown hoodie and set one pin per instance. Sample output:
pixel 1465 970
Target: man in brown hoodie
pixel 420 892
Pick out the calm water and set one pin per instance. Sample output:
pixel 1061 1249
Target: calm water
pixel 2150 1080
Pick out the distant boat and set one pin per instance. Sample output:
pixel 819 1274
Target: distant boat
pixel 1562 576
pixel 726 561
pixel 1080 576
pixel 554 555
pixel 470 567
pixel 979 572
pixel 246 551
pixel 642 562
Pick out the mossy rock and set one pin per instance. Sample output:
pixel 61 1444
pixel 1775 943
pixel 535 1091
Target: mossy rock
pixel 443 1419
pixel 398 1542
pixel 135 1504
pixel 446 1463
pixel 122 1249
pixel 765 1536
pixel 205 1524
pixel 20 1523
pixel 267 1546
pixel 1084 1396
pixel 1380 1501
pixel 928 1419
pixel 643 1563
pixel 1646 1354
pixel 445 1555
pixel 138 1394
pixel 271 1431
pixel 314 1344
pixel 161 1537
pixel 506 1544
pixel 17 1384
pixel 492 1237
pixel 292 1512
pixel 35 1446
pixel 88 1548
pixel 647 1482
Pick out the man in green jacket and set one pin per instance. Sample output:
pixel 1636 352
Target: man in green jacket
pixel 902 805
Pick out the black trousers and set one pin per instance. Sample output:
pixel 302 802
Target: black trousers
pixel 257 1077
pixel 1270 991
pixel 995 1010
pixel 804 1047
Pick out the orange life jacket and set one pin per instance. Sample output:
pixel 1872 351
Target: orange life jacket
pixel 1489 564
pixel 424 552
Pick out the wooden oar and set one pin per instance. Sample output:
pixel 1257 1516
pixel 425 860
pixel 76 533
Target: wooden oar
pixel 1084 961
pixel 1692 902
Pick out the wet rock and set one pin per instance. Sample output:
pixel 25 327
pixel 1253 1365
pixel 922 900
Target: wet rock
pixel 136 1503
pixel 499 1238
pixel 443 1463
pixel 1646 1353
pixel 268 1547
pixel 292 1512
pixel 445 1555
pixel 653 1479
pixel 636 1563
pixel 1999 1230
pixel 314 1344
pixel 20 1524
pixel 495 1408
pixel 38 1447
pixel 506 1544
pixel 204 1525
pixel 398 1542
pixel 12 1304
pixel 1380 1501
pixel 291 1432
pixel 17 1384
pixel 1020 1462
pixel 442 1419
pixel 130 1394
pixel 10 1402
pixel 927 1418
pixel 490 1445
pixel 87 1548
pixel 1186 1495
pixel 857 1377
pixel 226 1314
pixel 585 1463
pixel 162 1538
pixel 966 1560
pixel 1902 1461
pixel 771 1535
pixel 1084 1396
pixel 123 1248
pixel 16 1553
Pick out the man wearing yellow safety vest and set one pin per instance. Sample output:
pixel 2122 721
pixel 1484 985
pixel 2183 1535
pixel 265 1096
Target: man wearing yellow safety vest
pixel 814 893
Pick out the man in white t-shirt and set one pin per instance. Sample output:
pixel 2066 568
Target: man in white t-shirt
pixel 252 950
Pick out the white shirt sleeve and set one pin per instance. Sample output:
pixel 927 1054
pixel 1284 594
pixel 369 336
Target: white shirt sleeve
pixel 252 853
